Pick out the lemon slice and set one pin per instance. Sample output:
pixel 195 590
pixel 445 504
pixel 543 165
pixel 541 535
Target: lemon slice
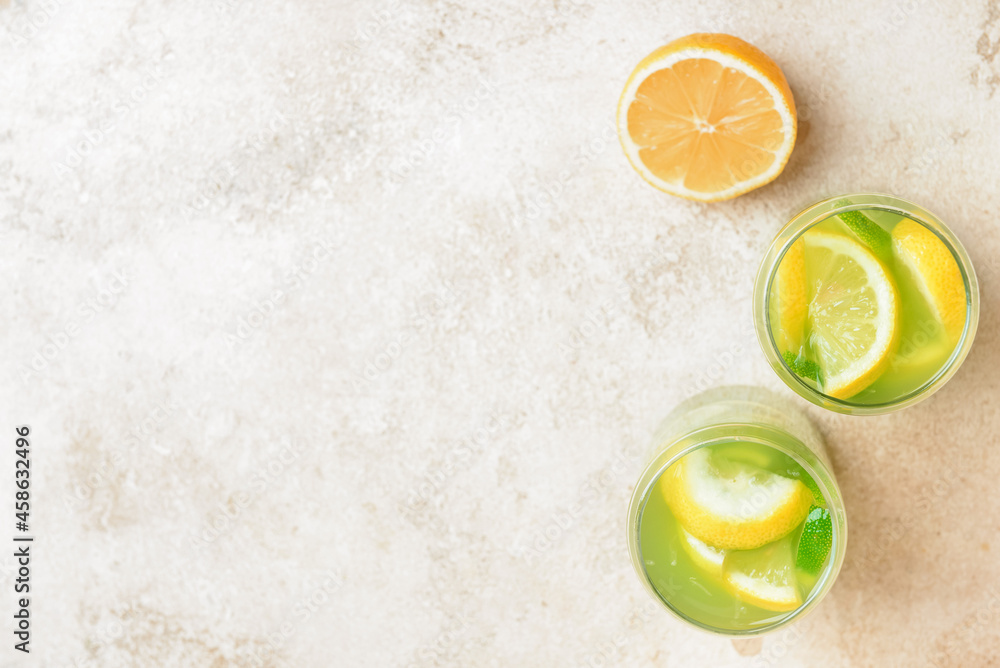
pixel 789 305
pixel 707 117
pixel 935 271
pixel 731 505
pixel 705 557
pixel 764 577
pixel 853 312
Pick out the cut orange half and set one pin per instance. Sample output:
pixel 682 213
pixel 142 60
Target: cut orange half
pixel 707 117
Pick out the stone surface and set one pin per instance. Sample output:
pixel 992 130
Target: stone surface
pixel 325 317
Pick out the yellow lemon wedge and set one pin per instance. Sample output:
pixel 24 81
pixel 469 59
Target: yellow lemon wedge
pixel 935 271
pixel 788 299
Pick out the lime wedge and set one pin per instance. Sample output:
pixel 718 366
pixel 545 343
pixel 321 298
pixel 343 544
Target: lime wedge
pixel 814 488
pixel 802 367
pixel 869 232
pixel 815 542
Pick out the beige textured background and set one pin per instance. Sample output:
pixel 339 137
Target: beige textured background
pixel 340 327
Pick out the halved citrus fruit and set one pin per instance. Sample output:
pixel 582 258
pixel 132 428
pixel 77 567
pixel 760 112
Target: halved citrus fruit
pixel 707 117
pixel 853 312
pixel 731 505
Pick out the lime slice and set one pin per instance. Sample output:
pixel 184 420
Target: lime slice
pixel 802 367
pixel 795 470
pixel 935 273
pixel 869 232
pixel 853 312
pixel 764 577
pixel 731 505
pixel 815 542
pixel 818 499
pixel 705 557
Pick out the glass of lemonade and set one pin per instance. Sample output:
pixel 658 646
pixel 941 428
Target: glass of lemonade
pixel 865 304
pixel 736 524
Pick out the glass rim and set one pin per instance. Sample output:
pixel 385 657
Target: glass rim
pixel 818 212
pixel 821 473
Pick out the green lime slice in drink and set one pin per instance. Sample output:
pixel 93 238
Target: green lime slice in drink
pixel 869 232
pixel 815 542
pixel 802 367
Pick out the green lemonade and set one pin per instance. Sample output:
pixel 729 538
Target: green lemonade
pixel 867 306
pixel 725 496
